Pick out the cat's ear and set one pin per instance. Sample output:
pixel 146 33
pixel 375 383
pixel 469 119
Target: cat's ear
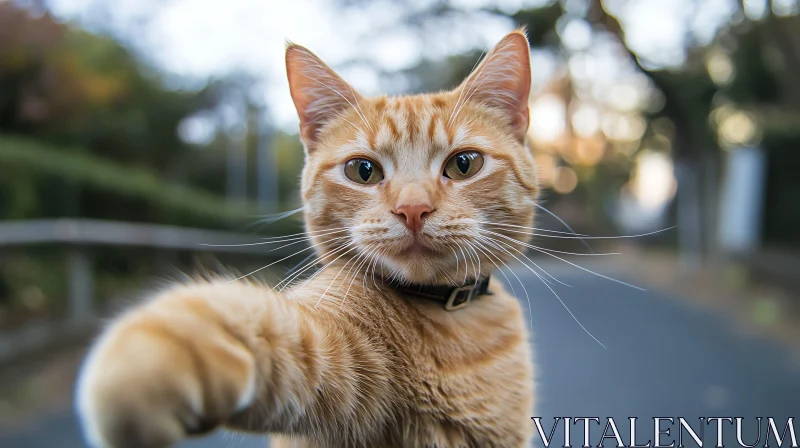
pixel 503 81
pixel 319 94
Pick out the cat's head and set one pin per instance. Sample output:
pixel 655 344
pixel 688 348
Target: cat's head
pixel 425 188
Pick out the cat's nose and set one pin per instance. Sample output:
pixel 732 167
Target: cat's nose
pixel 414 214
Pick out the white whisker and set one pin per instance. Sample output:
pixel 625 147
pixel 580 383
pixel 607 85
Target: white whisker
pixel 559 299
pixel 469 87
pixel 496 241
pixel 530 228
pixel 335 277
pixel 370 261
pixel 374 266
pixel 294 240
pixel 591 237
pixel 455 254
pixel 564 223
pixel 461 93
pixel 465 263
pixel 363 115
pixel 350 247
pixel 570 311
pixel 361 255
pixel 305 233
pixel 478 258
pixel 525 290
pixel 290 278
pixel 268 219
pixel 571 263
pixel 551 250
pixel 580 254
pixel 278 261
pixel 471 260
pixel 355 274
pixel 302 262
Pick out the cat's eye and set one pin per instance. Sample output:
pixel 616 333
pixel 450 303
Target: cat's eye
pixel 363 171
pixel 463 165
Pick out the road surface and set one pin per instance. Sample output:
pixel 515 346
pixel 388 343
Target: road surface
pixel 664 358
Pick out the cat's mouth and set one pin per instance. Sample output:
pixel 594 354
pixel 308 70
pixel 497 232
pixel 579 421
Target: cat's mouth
pixel 408 246
pixel 417 247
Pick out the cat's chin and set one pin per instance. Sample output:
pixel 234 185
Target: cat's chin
pixel 420 265
pixel 418 276
pixel 416 250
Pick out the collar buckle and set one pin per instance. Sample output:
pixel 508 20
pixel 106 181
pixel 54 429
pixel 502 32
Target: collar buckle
pixel 460 298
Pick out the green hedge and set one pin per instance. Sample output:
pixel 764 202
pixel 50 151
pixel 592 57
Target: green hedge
pixel 75 164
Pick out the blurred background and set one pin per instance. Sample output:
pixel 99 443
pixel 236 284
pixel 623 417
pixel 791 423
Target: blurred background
pixel 134 131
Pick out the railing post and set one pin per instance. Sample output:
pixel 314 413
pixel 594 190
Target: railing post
pixel 81 284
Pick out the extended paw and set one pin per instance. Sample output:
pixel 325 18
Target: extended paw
pixel 156 377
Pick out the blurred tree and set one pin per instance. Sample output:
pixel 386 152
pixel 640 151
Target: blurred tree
pixel 739 89
pixel 89 130
pixel 93 104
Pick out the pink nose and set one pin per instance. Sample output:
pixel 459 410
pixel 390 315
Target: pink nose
pixel 414 215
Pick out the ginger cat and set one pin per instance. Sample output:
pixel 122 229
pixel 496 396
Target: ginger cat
pixel 403 197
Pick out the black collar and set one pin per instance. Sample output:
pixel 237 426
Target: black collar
pixel 452 298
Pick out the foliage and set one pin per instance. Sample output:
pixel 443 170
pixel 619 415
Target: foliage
pixel 760 64
pixel 95 131
pixel 76 165
pixel 89 130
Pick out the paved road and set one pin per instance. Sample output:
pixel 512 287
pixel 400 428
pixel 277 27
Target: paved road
pixel 664 358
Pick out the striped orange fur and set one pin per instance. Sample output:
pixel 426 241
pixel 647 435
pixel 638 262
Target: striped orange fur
pixel 341 360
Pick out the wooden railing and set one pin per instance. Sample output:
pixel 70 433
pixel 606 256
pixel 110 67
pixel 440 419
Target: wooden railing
pixel 77 237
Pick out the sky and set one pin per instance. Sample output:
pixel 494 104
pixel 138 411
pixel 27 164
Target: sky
pixel 199 39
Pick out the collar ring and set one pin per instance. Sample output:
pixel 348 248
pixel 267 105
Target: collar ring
pixel 459 298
